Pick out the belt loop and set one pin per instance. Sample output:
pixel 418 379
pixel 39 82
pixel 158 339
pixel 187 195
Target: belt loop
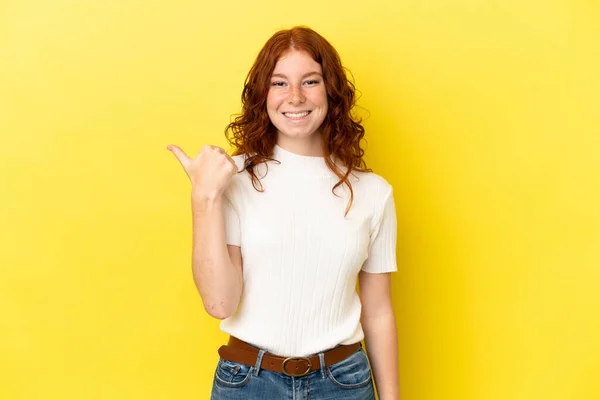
pixel 261 352
pixel 322 362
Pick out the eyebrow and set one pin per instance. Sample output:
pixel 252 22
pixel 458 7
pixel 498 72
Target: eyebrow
pixel 303 76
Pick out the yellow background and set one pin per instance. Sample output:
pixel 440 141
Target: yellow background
pixel 482 114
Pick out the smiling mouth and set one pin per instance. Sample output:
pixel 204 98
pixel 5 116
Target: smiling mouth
pixel 297 116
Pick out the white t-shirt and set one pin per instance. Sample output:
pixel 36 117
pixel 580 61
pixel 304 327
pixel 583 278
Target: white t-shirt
pixel 301 256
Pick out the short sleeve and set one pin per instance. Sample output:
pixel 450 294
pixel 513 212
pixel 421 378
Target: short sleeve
pixel 232 223
pixel 382 244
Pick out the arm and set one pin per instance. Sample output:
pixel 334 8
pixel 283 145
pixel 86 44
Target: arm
pixel 216 266
pixel 379 325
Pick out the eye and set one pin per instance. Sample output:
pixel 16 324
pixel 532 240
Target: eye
pixel 278 83
pixel 313 82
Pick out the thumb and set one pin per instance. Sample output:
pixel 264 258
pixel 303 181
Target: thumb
pixel 180 155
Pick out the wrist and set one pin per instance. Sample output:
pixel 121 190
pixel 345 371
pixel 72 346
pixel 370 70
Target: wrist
pixel 203 196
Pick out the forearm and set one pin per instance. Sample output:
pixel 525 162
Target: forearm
pixel 382 349
pixel 217 280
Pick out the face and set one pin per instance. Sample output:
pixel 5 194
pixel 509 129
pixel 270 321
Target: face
pixel 297 100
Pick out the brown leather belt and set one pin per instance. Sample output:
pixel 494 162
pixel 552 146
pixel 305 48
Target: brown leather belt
pixel 237 350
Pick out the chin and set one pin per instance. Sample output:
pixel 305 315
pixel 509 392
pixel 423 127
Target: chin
pixel 297 135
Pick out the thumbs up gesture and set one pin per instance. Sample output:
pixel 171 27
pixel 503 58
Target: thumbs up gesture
pixel 210 171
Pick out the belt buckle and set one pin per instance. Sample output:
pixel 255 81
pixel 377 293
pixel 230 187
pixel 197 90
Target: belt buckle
pixel 296 358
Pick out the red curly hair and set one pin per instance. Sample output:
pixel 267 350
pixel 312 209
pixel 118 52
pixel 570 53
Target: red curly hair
pixel 252 132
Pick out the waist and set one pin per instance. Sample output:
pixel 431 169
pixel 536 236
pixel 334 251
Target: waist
pixel 237 350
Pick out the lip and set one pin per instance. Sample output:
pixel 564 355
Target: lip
pixel 296 119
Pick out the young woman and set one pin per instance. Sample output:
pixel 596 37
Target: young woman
pixel 284 228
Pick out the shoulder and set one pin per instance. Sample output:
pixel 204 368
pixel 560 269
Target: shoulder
pixel 239 161
pixel 241 182
pixel 233 190
pixel 243 176
pixel 375 184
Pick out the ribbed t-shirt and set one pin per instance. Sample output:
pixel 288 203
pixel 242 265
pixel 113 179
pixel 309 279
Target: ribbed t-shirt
pixel 301 255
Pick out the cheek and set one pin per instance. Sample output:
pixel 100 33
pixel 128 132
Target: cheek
pixel 320 98
pixel 322 103
pixel 274 102
pixel 270 101
pixel 325 109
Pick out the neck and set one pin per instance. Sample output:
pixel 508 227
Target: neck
pixel 311 147
pixel 301 165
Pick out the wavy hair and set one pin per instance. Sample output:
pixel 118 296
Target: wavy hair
pixel 252 132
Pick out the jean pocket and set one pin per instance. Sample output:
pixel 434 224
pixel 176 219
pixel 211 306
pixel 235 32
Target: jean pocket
pixel 232 374
pixel 352 372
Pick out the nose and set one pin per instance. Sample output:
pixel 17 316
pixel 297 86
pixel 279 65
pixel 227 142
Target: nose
pixel 296 95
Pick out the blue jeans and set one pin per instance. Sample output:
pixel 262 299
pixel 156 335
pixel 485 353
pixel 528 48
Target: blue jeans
pixel 349 379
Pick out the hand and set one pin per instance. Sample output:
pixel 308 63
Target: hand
pixel 210 171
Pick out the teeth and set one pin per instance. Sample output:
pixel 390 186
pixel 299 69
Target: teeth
pixel 297 115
